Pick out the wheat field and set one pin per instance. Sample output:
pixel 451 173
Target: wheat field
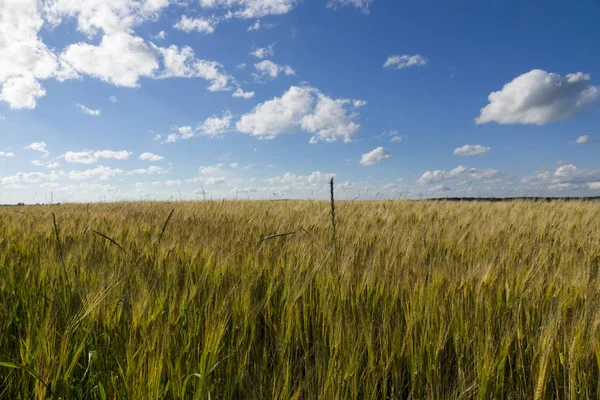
pixel 263 300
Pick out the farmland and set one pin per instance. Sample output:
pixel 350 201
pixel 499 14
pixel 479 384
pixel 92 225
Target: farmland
pixel 263 300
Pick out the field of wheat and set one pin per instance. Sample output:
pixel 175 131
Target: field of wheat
pixel 263 300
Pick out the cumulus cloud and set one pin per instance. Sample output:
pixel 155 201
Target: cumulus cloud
pixel 31 177
pixel 100 172
pixel 565 177
pixel 594 185
pixel 119 57
pixel 330 120
pixel 247 9
pixel 80 157
pixel 183 63
pixel 302 108
pixel 50 164
pixel 89 157
pixel 150 157
pixel 113 99
pixel 244 95
pixel 87 111
pixel 405 61
pixel 375 156
pixel 363 5
pixel 6 154
pixel 437 176
pixel 24 58
pixel 198 24
pixel 211 169
pixel 539 97
pixel 213 126
pixel 582 139
pixel 312 178
pixel 160 35
pixel 38 146
pixel 471 150
pixel 214 180
pixel 264 52
pixel 151 170
pixel 269 69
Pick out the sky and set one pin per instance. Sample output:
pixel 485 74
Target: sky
pixel 109 100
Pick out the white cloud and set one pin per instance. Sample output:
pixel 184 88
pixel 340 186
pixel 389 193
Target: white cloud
pixel 264 52
pixel 214 181
pixel 582 139
pixel 404 61
pixel 113 99
pixel 6 154
pixel 120 59
pixel 234 165
pixel 21 92
pixel 344 186
pixel 151 170
pixel 49 164
pixel 247 9
pixel 255 26
pixel 594 185
pixel 89 157
pixel 109 16
pixel 38 146
pixel 330 120
pixel 117 155
pixel 539 97
pixel 150 157
pixel 215 126
pixel 24 58
pixel 184 64
pixel 181 132
pixel 397 139
pixel 100 172
pixel 31 177
pixel 301 108
pixel 485 175
pixel 362 4
pixel 375 156
pixel 471 150
pixel 87 111
pixel 565 177
pixel 280 115
pixel 160 35
pixel 244 95
pixel 432 177
pixel 303 180
pixel 440 188
pixel 199 24
pixel 80 157
pixel 359 103
pixel 211 169
pixel 267 68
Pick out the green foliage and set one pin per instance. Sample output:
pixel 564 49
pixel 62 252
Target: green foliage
pixel 239 299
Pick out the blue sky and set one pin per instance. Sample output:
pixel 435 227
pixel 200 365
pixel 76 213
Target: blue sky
pixel 106 100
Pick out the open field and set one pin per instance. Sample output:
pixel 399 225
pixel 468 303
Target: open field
pixel 411 300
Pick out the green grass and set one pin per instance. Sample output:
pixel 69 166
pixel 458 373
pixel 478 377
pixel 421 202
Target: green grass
pixel 422 300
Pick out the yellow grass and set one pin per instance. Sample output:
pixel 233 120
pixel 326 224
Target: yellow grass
pixel 422 300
